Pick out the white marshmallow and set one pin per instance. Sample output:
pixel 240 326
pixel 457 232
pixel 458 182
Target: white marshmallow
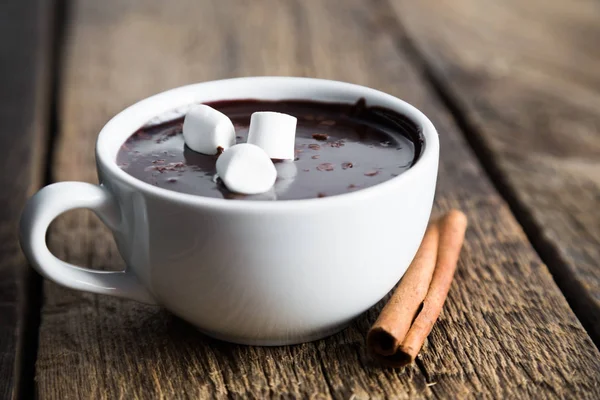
pixel 247 169
pixel 286 172
pixel 205 129
pixel 274 132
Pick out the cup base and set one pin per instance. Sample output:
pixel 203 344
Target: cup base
pixel 279 341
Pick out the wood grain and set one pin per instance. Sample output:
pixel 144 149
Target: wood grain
pixel 25 33
pixel 526 76
pixel 506 330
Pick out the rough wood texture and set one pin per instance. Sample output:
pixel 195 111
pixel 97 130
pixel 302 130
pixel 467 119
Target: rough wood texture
pixel 24 56
pixel 526 74
pixel 506 330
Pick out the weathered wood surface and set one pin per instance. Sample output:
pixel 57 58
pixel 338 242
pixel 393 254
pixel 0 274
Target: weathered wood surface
pixel 506 330
pixel 24 63
pixel 526 76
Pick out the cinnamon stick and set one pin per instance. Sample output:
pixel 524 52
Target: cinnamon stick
pixel 407 319
pixel 395 319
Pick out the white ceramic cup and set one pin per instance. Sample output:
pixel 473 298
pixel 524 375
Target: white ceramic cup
pixel 252 272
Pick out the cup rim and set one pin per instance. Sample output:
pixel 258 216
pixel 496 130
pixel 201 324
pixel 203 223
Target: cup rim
pixel 125 123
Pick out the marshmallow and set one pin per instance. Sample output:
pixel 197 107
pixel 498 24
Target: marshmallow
pixel 247 169
pixel 205 129
pixel 274 132
pixel 286 172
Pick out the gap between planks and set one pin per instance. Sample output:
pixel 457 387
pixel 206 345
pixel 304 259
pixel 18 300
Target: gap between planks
pixel 56 12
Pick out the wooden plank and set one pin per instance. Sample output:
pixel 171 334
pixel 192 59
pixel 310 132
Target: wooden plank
pixel 24 88
pixel 526 76
pixel 506 330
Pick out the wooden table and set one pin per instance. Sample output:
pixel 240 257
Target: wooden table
pixel 514 90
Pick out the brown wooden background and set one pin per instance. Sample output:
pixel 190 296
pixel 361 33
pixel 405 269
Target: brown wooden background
pixel 514 90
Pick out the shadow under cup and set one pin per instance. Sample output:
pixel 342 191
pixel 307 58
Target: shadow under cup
pixel 252 272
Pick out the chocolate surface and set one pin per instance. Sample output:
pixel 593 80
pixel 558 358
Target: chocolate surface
pixel 340 148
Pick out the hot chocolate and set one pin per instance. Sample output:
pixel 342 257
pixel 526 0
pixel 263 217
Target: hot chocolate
pixel 340 148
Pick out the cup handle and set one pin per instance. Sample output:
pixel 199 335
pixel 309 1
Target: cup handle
pixel 48 204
